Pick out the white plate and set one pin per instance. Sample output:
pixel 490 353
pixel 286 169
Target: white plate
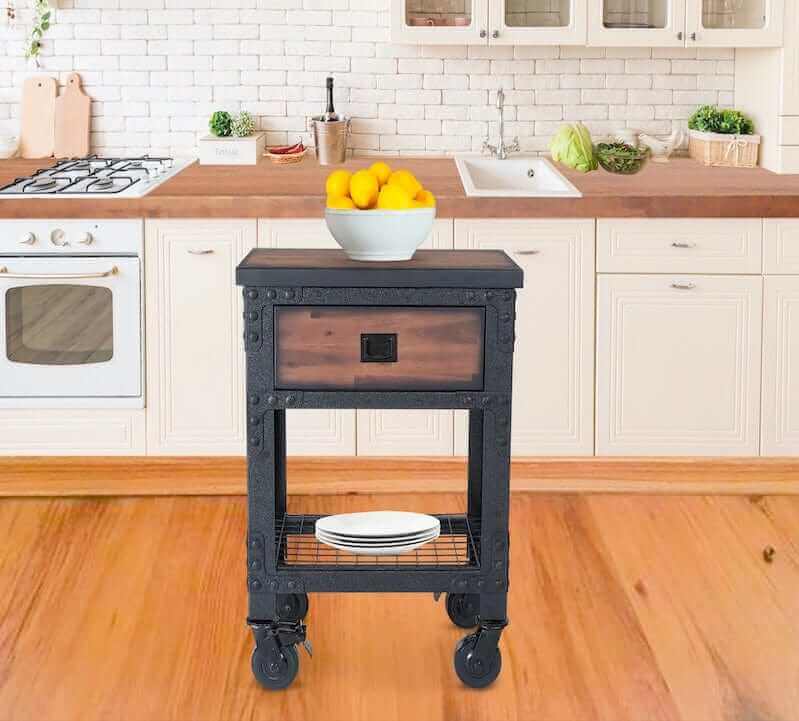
pixel 325 538
pixel 378 524
pixel 378 550
pixel 377 539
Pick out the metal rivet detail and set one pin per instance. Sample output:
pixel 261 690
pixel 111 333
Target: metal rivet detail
pixel 255 400
pixel 255 420
pixel 253 315
pixel 271 294
pixel 252 293
pixel 255 564
pixel 274 585
pixel 255 543
pixel 254 337
pixel 289 294
pixel 505 317
pixel 290 400
pixel 489 294
pixel 255 584
pixel 508 295
pixel 271 400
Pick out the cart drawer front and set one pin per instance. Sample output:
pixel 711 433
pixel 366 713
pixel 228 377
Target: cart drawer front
pixel 379 348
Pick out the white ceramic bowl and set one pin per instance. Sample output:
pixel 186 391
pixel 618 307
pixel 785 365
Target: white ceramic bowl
pixel 8 146
pixel 380 234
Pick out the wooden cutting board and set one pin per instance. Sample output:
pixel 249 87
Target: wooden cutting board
pixel 72 120
pixel 37 132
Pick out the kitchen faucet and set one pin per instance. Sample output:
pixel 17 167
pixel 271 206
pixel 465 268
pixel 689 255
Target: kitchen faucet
pixel 500 151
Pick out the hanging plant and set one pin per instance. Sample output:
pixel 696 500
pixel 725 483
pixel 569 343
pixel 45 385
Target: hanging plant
pixel 41 23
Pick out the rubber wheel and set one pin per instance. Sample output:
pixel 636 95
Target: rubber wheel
pixel 476 671
pixel 463 609
pixel 275 673
pixel 292 606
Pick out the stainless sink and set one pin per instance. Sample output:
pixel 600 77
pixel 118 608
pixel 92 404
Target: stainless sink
pixel 517 177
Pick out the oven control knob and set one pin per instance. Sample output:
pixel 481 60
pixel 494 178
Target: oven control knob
pixel 58 238
pixel 85 238
pixel 27 239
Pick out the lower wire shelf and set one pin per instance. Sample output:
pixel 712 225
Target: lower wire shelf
pixel 457 547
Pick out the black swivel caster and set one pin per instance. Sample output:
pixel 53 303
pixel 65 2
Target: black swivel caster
pixel 292 606
pixel 463 609
pixel 275 668
pixel 478 660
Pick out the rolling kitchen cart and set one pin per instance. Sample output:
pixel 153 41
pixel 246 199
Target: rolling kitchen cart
pixel 322 331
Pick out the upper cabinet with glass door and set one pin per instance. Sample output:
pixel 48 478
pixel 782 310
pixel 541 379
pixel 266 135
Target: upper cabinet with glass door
pixel 489 22
pixel 685 23
pixel 734 23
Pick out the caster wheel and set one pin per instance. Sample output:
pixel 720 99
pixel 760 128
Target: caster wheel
pixel 292 606
pixel 476 671
pixel 463 609
pixel 275 672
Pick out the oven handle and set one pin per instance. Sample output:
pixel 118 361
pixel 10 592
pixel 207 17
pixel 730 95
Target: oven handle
pixel 58 276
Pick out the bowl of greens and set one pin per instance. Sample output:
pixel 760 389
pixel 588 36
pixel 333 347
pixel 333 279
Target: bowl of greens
pixel 621 158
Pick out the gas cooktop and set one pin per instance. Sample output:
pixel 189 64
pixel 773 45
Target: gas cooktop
pixel 96 177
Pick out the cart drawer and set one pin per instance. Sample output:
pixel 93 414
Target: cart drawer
pixel 379 348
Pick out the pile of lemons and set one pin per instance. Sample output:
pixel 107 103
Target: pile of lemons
pixel 376 187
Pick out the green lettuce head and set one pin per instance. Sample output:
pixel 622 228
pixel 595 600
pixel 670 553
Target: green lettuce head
pixel 572 146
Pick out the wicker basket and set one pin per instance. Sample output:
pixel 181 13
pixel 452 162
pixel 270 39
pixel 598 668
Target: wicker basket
pixel 732 151
pixel 286 158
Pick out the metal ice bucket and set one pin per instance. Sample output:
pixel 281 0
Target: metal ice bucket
pixel 330 139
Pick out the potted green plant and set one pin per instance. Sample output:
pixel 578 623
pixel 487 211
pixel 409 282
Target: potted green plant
pixel 722 137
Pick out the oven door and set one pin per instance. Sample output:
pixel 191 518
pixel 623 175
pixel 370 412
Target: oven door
pixel 70 327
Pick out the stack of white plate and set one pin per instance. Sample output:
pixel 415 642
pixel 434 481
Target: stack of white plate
pixel 377 533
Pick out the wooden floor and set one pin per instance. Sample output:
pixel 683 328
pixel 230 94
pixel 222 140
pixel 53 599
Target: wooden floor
pixel 622 607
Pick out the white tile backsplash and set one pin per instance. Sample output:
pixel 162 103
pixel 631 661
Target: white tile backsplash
pixel 157 69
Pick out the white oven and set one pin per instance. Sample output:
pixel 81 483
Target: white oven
pixel 71 313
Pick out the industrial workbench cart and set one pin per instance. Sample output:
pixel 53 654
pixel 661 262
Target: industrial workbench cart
pixel 322 331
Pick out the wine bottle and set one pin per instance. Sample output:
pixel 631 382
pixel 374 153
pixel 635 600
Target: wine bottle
pixel 330 114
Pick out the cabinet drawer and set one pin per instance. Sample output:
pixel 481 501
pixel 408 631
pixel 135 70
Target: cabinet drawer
pixel 682 245
pixel 379 348
pixel 781 246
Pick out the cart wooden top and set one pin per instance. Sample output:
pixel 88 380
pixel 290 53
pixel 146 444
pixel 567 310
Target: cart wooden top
pixel 333 269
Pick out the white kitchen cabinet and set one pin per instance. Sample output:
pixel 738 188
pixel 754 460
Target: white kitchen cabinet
pixel 781 366
pixel 781 246
pixel 553 375
pixel 678 365
pixel 734 23
pixel 636 23
pixel 195 354
pixel 685 23
pixel 379 432
pixel 489 22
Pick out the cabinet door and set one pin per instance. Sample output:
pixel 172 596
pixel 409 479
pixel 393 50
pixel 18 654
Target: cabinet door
pixel 409 432
pixel 678 365
pixel 781 366
pixel 734 23
pixel 553 370
pixel 781 246
pixel 636 23
pixel 195 354
pixel 439 22
pixel 310 432
pixel 537 22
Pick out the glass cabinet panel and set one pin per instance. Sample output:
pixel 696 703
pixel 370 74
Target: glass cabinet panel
pixel 438 13
pixel 537 13
pixel 636 14
pixel 723 14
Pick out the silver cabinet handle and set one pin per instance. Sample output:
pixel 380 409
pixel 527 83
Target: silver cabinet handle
pixel 683 286
pixel 59 276
pixel 527 252
pixel 679 35
pixel 201 251
pixel 483 33
pixel 693 37
pixel 495 34
pixel 683 244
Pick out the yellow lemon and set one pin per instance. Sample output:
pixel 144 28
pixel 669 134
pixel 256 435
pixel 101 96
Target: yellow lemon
pixel 381 171
pixel 364 189
pixel 426 198
pixel 340 202
pixel 417 204
pixel 405 179
pixel 338 183
pixel 393 197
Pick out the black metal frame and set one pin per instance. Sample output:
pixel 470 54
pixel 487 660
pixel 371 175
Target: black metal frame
pixel 483 569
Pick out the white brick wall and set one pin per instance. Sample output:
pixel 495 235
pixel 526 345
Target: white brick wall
pixel 157 69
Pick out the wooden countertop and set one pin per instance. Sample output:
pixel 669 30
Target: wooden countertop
pixel 681 188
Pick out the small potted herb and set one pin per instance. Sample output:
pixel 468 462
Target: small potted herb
pixel 722 137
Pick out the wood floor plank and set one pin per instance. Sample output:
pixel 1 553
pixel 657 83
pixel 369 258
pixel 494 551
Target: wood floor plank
pixel 622 608
pixel 718 618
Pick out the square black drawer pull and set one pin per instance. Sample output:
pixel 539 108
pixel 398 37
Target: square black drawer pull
pixel 378 347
